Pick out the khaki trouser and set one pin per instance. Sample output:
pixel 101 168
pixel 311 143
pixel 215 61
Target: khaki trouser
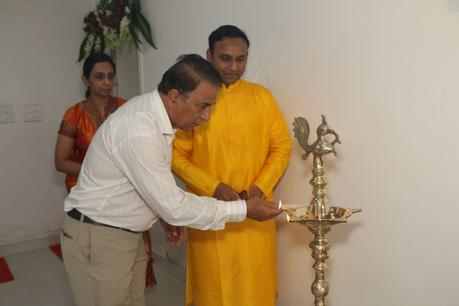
pixel 105 266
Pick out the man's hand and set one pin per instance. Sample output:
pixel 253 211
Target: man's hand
pixel 255 192
pixel 261 210
pixel 174 234
pixel 224 192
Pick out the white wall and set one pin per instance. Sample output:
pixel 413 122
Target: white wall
pixel 127 77
pixel 385 74
pixel 39 43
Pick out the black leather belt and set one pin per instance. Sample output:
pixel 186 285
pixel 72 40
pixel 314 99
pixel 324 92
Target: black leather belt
pixel 75 214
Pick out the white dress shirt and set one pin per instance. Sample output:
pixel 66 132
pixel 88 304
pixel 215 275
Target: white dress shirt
pixel 126 179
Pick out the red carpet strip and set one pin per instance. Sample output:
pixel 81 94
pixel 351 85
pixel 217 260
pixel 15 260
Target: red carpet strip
pixel 5 273
pixel 56 250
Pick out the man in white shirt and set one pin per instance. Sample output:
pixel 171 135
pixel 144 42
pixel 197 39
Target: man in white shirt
pixel 126 184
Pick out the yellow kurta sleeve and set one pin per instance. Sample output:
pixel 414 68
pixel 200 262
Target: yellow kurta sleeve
pixel 280 146
pixel 198 180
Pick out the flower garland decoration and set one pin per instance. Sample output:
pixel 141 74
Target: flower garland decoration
pixel 113 24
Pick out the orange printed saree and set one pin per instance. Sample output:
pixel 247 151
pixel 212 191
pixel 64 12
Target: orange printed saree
pixel 81 122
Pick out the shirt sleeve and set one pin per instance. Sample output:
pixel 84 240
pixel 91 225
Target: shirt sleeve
pixel 280 147
pixel 144 161
pixel 67 126
pixel 197 179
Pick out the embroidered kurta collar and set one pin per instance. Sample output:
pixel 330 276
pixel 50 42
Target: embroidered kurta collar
pixel 232 87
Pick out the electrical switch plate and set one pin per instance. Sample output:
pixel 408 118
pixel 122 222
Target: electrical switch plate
pixel 33 112
pixel 6 113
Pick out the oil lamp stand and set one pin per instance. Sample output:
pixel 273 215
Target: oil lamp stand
pixel 319 216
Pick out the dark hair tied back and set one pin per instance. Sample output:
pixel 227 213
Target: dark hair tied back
pixel 91 61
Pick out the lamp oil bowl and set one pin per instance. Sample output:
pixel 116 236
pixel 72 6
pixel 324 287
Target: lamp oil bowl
pixel 319 216
pixel 337 215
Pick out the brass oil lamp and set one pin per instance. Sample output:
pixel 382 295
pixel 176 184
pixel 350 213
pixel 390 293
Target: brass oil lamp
pixel 319 216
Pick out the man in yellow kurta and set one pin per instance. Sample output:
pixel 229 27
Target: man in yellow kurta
pixel 243 150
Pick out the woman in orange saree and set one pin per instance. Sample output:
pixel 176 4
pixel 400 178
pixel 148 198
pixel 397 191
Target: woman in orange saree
pixel 81 122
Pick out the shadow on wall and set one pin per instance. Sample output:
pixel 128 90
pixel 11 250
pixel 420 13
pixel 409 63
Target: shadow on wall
pixel 453 5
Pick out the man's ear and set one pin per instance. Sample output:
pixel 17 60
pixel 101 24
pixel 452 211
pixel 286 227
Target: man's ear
pixel 209 55
pixel 172 97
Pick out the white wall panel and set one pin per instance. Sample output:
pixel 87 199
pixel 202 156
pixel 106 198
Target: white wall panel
pixel 385 74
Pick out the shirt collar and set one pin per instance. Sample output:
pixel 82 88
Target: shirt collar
pixel 164 123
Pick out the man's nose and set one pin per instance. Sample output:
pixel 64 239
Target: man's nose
pixel 233 66
pixel 206 114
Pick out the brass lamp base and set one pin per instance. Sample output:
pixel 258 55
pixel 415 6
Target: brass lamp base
pixel 319 245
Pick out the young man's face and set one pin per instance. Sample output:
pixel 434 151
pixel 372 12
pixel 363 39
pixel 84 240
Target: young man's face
pixel 229 57
pixel 193 107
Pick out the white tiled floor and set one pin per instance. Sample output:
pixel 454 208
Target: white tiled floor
pixel 40 280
